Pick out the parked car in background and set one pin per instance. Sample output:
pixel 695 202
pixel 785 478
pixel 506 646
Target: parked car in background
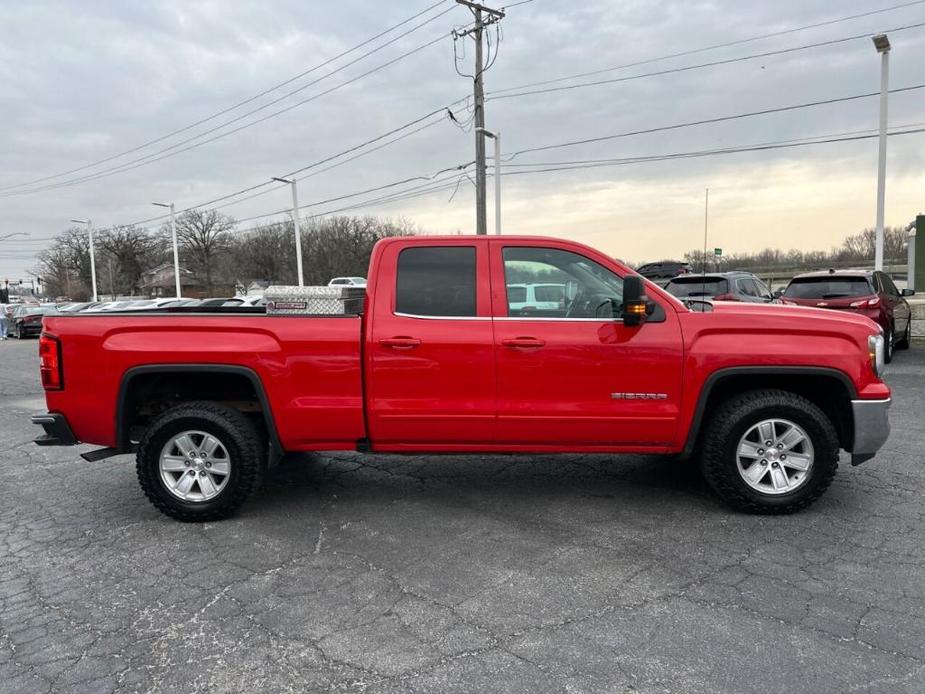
pixel 664 269
pixel 27 320
pixel 347 282
pixel 867 292
pixel 524 298
pixel 721 286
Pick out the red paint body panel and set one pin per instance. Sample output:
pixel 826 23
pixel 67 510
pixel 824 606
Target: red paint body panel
pixel 489 382
pixel 309 368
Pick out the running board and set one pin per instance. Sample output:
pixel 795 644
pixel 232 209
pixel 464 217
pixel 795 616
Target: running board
pixel 99 454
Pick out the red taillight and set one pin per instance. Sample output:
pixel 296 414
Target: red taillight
pixel 866 303
pixel 726 297
pixel 50 363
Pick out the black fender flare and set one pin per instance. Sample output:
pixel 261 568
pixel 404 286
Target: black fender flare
pixel 730 372
pixel 122 441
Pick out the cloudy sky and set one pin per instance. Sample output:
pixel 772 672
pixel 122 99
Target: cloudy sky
pixel 92 92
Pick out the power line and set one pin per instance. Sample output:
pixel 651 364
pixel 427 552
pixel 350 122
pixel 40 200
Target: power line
pixel 167 153
pixel 675 126
pixel 785 144
pixel 324 160
pixel 238 104
pixel 687 68
pixel 704 49
pixel 707 121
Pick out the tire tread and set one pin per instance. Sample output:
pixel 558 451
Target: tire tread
pixel 717 471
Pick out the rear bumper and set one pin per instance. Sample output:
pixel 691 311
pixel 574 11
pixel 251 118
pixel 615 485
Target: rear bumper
pixel 871 428
pixel 57 430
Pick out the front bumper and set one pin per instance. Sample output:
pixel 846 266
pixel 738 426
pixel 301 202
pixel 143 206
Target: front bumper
pixel 871 428
pixel 57 430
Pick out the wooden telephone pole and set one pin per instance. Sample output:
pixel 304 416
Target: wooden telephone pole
pixel 484 16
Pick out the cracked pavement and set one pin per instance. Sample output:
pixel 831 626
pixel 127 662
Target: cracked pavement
pixel 581 573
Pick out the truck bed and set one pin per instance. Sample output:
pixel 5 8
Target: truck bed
pixel 308 366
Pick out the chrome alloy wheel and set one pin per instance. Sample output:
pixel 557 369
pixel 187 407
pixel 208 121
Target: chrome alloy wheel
pixel 195 466
pixel 775 456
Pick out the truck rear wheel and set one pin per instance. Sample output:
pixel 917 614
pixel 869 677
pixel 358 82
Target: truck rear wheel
pixel 769 451
pixel 200 461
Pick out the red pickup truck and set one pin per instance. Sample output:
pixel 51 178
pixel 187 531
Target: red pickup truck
pixel 442 359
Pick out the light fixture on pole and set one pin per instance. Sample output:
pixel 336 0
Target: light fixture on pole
pixel 882 44
pixel 173 237
pixel 92 254
pixel 296 224
pixel 9 236
pixel 496 136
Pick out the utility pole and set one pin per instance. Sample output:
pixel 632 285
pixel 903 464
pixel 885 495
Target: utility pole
pixel 496 136
pixel 481 222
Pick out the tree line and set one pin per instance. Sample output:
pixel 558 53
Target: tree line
pixel 857 249
pixel 211 247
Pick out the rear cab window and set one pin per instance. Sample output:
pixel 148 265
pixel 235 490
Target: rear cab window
pixel 828 287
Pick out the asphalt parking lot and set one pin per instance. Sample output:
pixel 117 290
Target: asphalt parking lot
pixel 515 574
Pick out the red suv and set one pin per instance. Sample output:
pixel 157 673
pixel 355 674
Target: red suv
pixel 867 292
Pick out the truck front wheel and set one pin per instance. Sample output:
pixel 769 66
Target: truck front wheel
pixel 769 451
pixel 200 461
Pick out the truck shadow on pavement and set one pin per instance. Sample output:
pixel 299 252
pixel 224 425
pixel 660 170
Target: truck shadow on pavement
pixel 640 481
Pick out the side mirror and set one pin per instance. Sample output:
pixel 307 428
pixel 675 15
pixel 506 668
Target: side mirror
pixel 635 304
pixel 908 292
pixel 571 289
pixel 778 293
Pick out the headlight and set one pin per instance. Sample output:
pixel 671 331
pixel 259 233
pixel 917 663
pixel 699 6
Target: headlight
pixel 875 348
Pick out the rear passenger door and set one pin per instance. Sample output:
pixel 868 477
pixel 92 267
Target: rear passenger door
pixel 430 372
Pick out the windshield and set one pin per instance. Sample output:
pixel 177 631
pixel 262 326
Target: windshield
pixel 827 287
pixel 710 286
pixel 33 311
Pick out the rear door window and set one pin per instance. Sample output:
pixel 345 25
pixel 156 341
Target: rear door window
pixel 748 287
pixel 436 281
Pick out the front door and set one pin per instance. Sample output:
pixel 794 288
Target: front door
pixel 430 376
pixel 570 374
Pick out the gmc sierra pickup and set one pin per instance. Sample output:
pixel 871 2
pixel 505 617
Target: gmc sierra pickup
pixel 444 358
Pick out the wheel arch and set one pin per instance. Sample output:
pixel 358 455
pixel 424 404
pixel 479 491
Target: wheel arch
pixel 832 390
pixel 126 404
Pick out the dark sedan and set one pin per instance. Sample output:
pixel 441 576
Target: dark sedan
pixel 26 320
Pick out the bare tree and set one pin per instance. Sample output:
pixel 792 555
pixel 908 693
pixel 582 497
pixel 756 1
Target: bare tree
pixel 203 237
pixel 125 252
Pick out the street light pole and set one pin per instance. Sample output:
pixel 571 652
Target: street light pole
pixel 297 226
pixel 176 250
pixel 882 43
pixel 89 224
pixel 9 236
pixel 496 136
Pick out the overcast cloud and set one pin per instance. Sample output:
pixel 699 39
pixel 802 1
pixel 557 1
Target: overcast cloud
pixel 84 81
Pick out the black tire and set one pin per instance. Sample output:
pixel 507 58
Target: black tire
pixel 734 418
pixel 907 337
pixel 246 450
pixel 888 345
